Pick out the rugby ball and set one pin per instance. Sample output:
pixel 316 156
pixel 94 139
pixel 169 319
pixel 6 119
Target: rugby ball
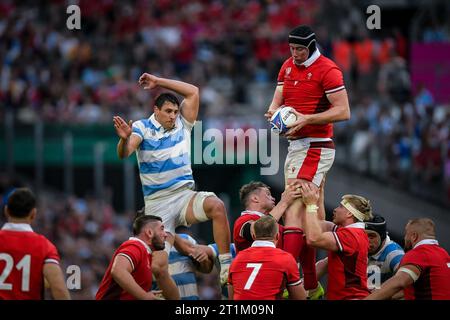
pixel 282 118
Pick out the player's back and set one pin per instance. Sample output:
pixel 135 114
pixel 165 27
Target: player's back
pixel 261 273
pixel 240 242
pixel 22 257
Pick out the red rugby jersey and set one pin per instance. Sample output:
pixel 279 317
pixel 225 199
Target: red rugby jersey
pixel 347 268
pixel 240 242
pixel 434 264
pixel 262 272
pixel 305 88
pixel 23 254
pixel 140 256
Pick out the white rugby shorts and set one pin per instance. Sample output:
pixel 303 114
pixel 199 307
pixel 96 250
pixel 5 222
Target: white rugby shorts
pixel 309 159
pixel 172 208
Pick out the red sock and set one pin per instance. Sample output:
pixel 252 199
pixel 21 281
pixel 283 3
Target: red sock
pixel 293 241
pixel 308 263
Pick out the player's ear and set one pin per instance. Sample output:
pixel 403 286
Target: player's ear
pixel 6 212
pixel 33 214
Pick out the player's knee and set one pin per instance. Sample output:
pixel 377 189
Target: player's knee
pixel 214 207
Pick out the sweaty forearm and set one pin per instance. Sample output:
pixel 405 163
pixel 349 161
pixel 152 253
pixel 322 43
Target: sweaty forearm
pixel 278 211
pixel 182 88
pixel 122 151
pixel 126 281
pixel 388 290
pixel 313 229
pixel 334 114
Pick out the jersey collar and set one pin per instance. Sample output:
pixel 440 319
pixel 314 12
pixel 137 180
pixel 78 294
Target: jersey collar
pixel 426 241
pixel 159 126
pixel 25 227
pixel 359 225
pixel 149 250
pixel 243 213
pixel 311 59
pixel 263 243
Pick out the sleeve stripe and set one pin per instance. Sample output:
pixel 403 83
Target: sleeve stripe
pixel 280 83
pixel 241 231
pixel 128 257
pixel 335 89
pixel 51 261
pixel 295 283
pixel 337 241
pixel 137 134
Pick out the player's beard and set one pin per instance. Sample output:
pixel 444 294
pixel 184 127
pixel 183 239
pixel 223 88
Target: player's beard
pixel 408 245
pixel 158 243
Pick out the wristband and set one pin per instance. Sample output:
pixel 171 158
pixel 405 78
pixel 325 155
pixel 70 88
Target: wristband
pixel 311 208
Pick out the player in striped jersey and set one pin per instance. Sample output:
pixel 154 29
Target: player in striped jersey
pixel 384 254
pixel 163 144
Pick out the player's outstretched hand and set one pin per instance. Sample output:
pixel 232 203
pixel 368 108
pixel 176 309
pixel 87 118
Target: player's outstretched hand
pixel 310 194
pixel 123 129
pixel 291 193
pixel 148 81
pixel 199 255
pixel 302 120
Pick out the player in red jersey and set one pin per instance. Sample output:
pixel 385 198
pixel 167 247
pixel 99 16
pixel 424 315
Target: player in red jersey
pixel 27 259
pixel 424 271
pixel 129 275
pixel 313 85
pixel 346 241
pixel 258 202
pixel 262 271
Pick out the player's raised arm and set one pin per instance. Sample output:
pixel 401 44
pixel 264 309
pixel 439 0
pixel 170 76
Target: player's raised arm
pixel 54 277
pixel 190 105
pixel 128 142
pixel 313 228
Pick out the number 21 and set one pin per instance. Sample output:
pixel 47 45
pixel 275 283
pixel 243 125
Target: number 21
pixel 24 265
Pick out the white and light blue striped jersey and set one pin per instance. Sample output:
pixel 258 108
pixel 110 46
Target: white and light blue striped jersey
pixel 164 156
pixel 384 263
pixel 215 249
pixel 182 270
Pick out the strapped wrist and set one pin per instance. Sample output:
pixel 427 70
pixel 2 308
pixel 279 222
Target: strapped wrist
pixel 312 208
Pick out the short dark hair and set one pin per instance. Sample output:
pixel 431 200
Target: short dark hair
pixel 265 228
pixel 247 189
pixel 142 220
pixel 166 97
pixel 20 202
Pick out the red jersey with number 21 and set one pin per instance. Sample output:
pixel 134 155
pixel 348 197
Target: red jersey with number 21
pixel 23 254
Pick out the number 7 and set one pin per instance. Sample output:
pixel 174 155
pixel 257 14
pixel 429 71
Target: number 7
pixel 251 279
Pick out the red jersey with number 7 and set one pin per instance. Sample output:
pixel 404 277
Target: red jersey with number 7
pixel 434 265
pixel 23 254
pixel 262 272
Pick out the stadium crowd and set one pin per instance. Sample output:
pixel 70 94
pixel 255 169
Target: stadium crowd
pixel 48 72
pixel 88 75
